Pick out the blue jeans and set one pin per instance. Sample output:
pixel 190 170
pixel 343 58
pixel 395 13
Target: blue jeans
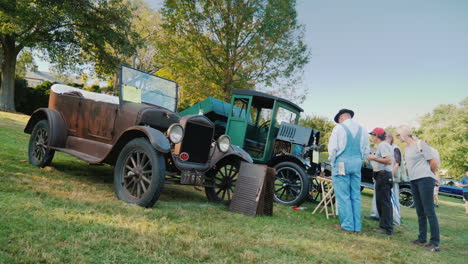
pixel 348 193
pixel 423 191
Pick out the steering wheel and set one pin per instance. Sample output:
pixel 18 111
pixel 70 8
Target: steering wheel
pixel 265 125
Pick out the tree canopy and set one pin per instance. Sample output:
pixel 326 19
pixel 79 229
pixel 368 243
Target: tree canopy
pixel 69 31
pixel 322 124
pixel 212 47
pixel 446 129
pixel 25 63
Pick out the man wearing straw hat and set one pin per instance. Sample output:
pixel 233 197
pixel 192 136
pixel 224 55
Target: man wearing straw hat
pixel 347 148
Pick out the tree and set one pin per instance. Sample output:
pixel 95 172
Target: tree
pixel 446 129
pixel 25 63
pixel 217 46
pixel 146 23
pixel 322 124
pixel 66 30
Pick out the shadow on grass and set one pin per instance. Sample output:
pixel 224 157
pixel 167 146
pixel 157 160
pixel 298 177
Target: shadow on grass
pixel 103 174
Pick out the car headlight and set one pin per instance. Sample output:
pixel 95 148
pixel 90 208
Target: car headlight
pixel 176 133
pixel 224 142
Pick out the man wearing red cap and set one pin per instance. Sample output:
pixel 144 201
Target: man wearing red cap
pixel 381 162
pixel 347 148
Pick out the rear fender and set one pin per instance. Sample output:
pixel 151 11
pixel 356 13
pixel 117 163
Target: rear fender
pixel 298 160
pixel 57 126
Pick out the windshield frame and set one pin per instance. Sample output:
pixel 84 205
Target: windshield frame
pixel 121 100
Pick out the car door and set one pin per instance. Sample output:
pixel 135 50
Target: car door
pixel 238 119
pixel 69 106
pixel 99 118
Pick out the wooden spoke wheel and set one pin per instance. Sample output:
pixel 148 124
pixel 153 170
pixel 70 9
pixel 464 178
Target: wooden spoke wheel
pixel 406 197
pixel 223 179
pixel 139 173
pixel 38 152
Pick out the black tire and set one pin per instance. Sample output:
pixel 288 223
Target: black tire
pixel 291 184
pixel 139 173
pixel 314 194
pixel 406 197
pixel 38 154
pixel 223 177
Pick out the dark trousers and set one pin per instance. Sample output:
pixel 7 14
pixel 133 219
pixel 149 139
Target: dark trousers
pixel 423 191
pixel 383 196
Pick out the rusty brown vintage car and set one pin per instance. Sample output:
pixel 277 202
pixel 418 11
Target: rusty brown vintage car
pixel 140 134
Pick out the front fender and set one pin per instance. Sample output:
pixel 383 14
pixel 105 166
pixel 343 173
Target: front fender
pixel 241 153
pixel 157 139
pixel 57 126
pixel 233 151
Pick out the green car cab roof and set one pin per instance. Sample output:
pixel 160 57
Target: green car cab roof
pixel 265 100
pixel 210 106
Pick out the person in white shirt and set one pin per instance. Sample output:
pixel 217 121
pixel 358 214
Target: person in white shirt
pixel 422 165
pixel 396 170
pixel 381 162
pixel 347 148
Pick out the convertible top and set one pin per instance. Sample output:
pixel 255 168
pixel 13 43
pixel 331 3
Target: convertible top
pixel 64 89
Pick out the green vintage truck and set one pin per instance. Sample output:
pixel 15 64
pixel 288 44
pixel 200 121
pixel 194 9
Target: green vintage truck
pixel 266 127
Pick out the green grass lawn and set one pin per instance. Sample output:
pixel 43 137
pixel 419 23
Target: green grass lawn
pixel 68 213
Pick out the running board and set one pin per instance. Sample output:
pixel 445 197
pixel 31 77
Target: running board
pixel 82 156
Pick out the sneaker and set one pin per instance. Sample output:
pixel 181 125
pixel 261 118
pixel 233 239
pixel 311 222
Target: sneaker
pixel 432 248
pixel 382 231
pixel 418 243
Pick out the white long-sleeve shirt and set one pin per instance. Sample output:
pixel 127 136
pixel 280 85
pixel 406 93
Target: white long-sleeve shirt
pixel 337 142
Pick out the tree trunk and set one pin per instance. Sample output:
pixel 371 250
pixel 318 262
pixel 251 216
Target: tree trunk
pixel 117 81
pixel 7 88
pixel 227 92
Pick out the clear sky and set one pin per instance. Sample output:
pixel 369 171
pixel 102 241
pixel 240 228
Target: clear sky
pixel 389 61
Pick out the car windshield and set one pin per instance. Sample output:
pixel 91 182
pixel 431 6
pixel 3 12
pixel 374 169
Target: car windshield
pixel 140 87
pixel 285 115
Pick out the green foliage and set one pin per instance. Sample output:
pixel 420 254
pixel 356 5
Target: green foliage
pixel 446 129
pixel 147 23
pixel 77 85
pixel 322 124
pixel 70 32
pixel 44 88
pixel 93 88
pixel 212 47
pixel 25 63
pixel 183 104
pixel 28 99
pixel 107 89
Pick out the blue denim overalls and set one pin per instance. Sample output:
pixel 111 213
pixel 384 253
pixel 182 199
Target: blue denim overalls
pixel 348 187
